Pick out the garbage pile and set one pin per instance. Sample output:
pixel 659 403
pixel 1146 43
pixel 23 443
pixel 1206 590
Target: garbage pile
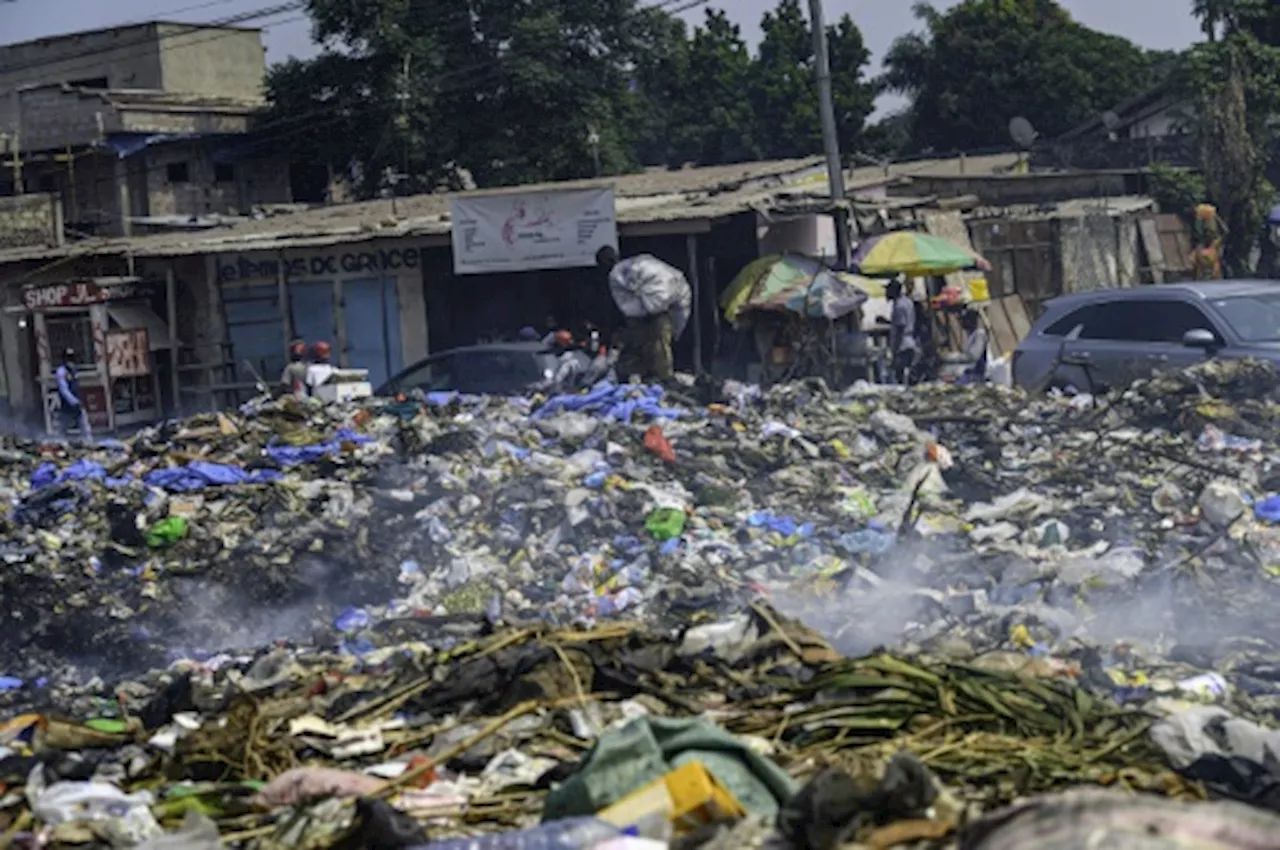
pixel 703 615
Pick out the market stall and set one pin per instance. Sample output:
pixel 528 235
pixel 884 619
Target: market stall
pixel 114 332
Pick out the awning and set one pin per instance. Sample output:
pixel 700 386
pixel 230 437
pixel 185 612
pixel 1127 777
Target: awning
pixel 130 316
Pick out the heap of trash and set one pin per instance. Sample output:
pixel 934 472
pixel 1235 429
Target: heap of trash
pixel 701 615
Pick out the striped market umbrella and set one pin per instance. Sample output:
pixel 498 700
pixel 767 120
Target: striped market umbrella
pixel 793 284
pixel 914 255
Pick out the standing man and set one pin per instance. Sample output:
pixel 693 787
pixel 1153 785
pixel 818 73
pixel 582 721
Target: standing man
pixel 295 372
pixel 976 347
pixel 320 369
pixel 653 334
pixel 903 345
pixel 71 409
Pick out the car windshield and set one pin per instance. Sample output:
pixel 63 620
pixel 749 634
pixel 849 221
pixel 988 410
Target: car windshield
pixel 497 371
pixel 1256 318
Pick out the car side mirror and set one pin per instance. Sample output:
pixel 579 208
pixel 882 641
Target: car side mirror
pixel 1199 338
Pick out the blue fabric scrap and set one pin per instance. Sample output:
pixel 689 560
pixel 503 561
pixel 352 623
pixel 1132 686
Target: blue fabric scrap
pixel 47 474
pixel 297 455
pixel 199 475
pixel 611 401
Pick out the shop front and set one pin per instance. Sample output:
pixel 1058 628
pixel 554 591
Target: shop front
pixel 110 327
pixel 364 299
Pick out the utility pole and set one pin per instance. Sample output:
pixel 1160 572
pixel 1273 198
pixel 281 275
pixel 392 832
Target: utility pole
pixel 390 177
pixel 830 141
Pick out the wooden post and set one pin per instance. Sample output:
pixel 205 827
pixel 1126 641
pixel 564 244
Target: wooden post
pixel 286 312
pixel 691 242
pixel 171 297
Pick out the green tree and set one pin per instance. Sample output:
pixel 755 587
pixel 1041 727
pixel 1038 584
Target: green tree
pixel 513 92
pixel 785 92
pixel 983 62
pixel 1234 84
pixel 785 89
pixel 713 121
pixel 659 86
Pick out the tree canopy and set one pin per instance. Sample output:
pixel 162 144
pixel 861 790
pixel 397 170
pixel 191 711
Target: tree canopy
pixel 983 62
pixel 554 89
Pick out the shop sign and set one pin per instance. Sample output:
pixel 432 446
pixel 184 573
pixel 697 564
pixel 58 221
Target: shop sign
pixel 81 293
pixel 319 266
pixel 128 353
pixel 527 231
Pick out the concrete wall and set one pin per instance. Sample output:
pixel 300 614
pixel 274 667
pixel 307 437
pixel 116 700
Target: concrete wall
pixel 129 57
pixel 256 182
pixel 213 62
pixel 27 220
pixel 174 58
pixel 813 236
pixel 1154 126
pixel 52 118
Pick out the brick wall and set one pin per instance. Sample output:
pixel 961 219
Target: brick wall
pixel 30 220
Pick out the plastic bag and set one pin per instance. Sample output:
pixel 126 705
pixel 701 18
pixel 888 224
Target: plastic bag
pixel 167 532
pixel 197 833
pixel 646 286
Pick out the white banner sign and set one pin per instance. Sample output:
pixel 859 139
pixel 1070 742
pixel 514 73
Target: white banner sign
pixel 525 232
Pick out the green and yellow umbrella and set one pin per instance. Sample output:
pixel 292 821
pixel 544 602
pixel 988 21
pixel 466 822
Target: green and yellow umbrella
pixel 914 255
pixel 795 284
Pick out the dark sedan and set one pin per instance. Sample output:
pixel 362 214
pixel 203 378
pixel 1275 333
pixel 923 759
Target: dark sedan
pixel 509 368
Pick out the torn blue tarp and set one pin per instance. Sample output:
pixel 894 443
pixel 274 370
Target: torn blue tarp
pixel 298 455
pixel 127 144
pixel 47 474
pixel 199 475
pixel 611 401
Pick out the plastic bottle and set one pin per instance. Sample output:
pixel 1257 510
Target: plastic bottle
pixel 567 834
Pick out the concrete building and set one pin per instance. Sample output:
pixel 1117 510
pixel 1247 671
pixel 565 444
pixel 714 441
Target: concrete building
pixel 137 125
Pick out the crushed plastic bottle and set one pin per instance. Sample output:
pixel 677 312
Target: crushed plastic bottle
pixel 567 834
pixel 438 531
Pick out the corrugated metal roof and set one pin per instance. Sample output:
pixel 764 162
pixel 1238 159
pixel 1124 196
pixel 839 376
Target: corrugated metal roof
pixel 653 196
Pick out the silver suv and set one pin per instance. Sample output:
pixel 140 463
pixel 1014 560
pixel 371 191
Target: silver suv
pixel 1111 337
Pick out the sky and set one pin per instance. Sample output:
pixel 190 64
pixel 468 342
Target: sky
pixel 1155 24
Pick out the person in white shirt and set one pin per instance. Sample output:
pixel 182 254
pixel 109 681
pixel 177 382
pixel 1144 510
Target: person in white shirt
pixel 320 369
pixel 976 345
pixel 903 345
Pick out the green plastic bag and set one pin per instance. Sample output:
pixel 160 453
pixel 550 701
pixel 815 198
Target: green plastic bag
pixel 167 532
pixel 665 523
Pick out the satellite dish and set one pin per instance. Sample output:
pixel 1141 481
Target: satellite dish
pixel 1024 135
pixel 1111 122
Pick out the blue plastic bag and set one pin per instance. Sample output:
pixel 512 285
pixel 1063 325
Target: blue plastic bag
pixel 1268 510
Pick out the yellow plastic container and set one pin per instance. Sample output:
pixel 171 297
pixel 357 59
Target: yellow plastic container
pixel 689 797
pixel 979 290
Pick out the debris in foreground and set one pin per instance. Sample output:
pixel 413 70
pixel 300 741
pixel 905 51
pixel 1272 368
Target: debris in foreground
pixel 689 617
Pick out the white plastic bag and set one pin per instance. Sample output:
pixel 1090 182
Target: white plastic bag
pixel 646 286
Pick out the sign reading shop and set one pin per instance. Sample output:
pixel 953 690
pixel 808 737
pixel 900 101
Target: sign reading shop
pixel 337 264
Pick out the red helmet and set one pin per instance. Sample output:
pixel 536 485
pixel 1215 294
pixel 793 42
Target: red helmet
pixel 298 349
pixel 321 349
pixel 564 339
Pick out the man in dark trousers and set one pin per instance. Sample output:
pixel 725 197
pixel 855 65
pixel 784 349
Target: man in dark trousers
pixel 71 410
